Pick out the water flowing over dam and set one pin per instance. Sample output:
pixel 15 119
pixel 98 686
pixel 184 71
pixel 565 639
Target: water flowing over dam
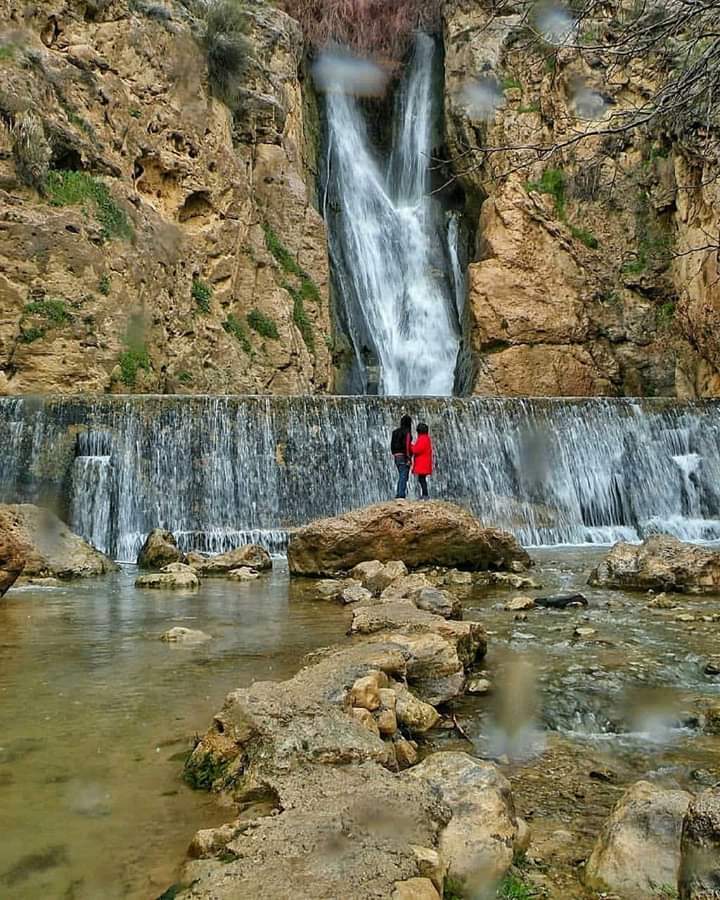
pixel 388 242
pixel 219 471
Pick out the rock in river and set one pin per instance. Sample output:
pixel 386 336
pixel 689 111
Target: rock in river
pixel 12 555
pixel 249 555
pixel 180 635
pixel 437 533
pixel 160 549
pixel 51 548
pixel 638 849
pixel 660 563
pixel 700 848
pixel 175 576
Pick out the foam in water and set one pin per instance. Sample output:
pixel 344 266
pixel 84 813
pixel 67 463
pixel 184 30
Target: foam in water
pixel 384 237
pixel 220 471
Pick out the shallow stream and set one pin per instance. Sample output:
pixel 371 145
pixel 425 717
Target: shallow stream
pixel 97 714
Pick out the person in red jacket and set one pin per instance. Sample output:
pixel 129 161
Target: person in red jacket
pixel 422 453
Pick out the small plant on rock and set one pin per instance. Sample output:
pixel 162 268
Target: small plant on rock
pixel 227 48
pixel 202 294
pixel 104 285
pixel 263 324
pixel 234 327
pixel 70 188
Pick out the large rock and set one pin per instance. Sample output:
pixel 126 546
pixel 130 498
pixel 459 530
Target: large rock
pixel 160 549
pixel 638 849
pixel 12 555
pixel 660 563
pixel 478 842
pixel 51 549
pixel 437 533
pixel 174 576
pixel 700 848
pixel 249 555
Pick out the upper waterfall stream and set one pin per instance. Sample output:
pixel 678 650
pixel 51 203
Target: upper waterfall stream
pixel 387 241
pixel 219 471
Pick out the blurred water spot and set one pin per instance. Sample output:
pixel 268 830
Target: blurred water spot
pixel 556 25
pixel 339 71
pixel 480 98
pixel 587 103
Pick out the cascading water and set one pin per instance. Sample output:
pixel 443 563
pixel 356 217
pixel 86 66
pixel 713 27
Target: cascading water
pixel 220 471
pixel 387 241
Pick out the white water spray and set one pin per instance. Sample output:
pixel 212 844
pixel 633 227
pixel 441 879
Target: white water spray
pixel 386 238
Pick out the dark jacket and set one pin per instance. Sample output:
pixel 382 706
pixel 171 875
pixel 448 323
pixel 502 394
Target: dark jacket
pixel 400 443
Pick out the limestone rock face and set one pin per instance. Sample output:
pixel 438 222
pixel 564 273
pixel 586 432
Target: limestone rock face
pixel 660 563
pixel 248 556
pixel 220 207
pixel 571 288
pixel 639 846
pixel 51 549
pixel 478 842
pixel 700 848
pixel 160 549
pixel 12 556
pixel 435 533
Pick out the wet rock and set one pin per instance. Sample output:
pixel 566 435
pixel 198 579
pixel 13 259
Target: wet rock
pixel 181 635
pixel 711 719
pixel 160 549
pixel 712 666
pixel 662 563
pixel 365 693
pixel 437 533
pixel 638 849
pixel 561 601
pixel 431 865
pixel 376 576
pixel 403 588
pixel 244 573
pixel 478 842
pixel 518 604
pixel 661 601
pixel 506 580
pixel 331 588
pixel 356 593
pixel 386 721
pixel 175 576
pixel 438 602
pixel 12 556
pixel 50 548
pixel 478 686
pixel 700 848
pixel 416 715
pixel 250 555
pixel 415 889
pixel 584 633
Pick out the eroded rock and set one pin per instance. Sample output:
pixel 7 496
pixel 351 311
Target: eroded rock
pixel 661 563
pixel 12 556
pixel 700 848
pixel 160 549
pixel 51 549
pixel 175 576
pixel 638 849
pixel 437 533
pixel 181 635
pixel 249 555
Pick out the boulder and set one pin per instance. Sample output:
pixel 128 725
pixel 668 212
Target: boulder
pixel 12 555
pixel 415 889
pixel 51 549
pixel 438 602
pixel 700 848
pixel 376 576
pixel 174 576
pixel 638 849
pixel 518 604
pixel 244 573
pixel 438 533
pixel 355 593
pixel 330 588
pixel 478 842
pixel 180 635
pixel 660 563
pixel 160 549
pixel 712 666
pixel 416 715
pixel 406 586
pixel 251 555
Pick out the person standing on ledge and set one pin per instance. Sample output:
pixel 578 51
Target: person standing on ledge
pixel 400 444
pixel 422 454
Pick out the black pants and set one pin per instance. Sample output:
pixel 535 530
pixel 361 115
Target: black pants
pixel 423 485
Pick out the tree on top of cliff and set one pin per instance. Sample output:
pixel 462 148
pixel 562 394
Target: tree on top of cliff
pixel 381 29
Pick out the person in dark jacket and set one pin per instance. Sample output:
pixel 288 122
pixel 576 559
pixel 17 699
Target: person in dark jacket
pixel 400 448
pixel 422 453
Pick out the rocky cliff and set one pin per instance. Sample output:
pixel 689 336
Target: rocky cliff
pixel 578 282
pixel 152 241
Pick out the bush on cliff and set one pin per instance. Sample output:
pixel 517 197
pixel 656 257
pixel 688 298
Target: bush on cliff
pixel 227 48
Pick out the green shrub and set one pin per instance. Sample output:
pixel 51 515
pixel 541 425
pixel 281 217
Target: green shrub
pixel 28 335
pixel 263 324
pixel 530 108
pixel 300 318
pixel 104 284
pixel 201 294
pixel 135 113
pixel 513 888
pixel 31 150
pixel 510 83
pixel 234 327
pixel 54 310
pixel 7 51
pixel 584 236
pixel 69 188
pixel 184 377
pixel 453 889
pixel 665 313
pixel 227 48
pixel 282 255
pixel 553 183
pixel 131 361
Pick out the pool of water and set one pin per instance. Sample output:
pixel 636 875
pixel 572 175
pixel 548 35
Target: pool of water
pixel 96 715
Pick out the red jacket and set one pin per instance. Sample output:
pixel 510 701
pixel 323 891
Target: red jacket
pixel 422 455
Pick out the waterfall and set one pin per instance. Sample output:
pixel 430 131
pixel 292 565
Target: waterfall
pixel 221 471
pixel 456 268
pixel 387 241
